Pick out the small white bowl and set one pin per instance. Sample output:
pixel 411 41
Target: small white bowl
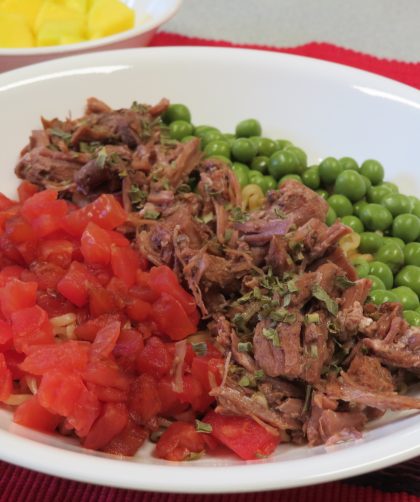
pixel 150 15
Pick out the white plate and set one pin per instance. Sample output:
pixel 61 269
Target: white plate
pixel 325 108
pixel 150 15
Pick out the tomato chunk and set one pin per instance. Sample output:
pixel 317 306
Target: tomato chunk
pixel 164 280
pixel 76 283
pixel 26 190
pixel 179 441
pixel 32 414
pixel 16 295
pixel 170 316
pixel 111 422
pixel 245 437
pixel 128 441
pixel 155 359
pixel 105 340
pixel 143 401
pixel 125 262
pixel 85 411
pixel 59 391
pixel 31 327
pixel 5 379
pixel 96 244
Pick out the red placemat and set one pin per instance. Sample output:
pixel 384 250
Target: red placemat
pixel 396 484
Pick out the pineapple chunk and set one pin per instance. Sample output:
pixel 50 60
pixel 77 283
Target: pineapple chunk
pixel 14 31
pixel 107 17
pixel 56 22
pixel 26 8
pixel 79 5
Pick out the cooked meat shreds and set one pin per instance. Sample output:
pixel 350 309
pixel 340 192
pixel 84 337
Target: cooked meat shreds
pixel 304 353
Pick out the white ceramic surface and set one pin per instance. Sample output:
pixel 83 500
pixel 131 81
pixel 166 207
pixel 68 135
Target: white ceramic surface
pixel 150 15
pixel 325 108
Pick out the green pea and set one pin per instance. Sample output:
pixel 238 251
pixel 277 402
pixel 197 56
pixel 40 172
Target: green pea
pixel 358 207
pixel 329 169
pixel 281 163
pixel 255 177
pixel 380 296
pixel 331 216
pixel 176 111
pixel 323 193
pixel 242 173
pixel 393 187
pixel 375 194
pixel 396 203
pixel 412 254
pixel 376 282
pixel 396 240
pixel 221 158
pixel 301 157
pixel 406 227
pixel 268 183
pixel 370 242
pixel 341 205
pixel 367 181
pixel 348 163
pixel 415 205
pixel 409 276
pixel 407 297
pixel 229 137
pixel 350 184
pixel 383 272
pixel 283 143
pixel 375 217
pixel 260 163
pixel 266 146
pixel 392 255
pixel 310 177
pixel 202 129
pixel 295 177
pixel 185 139
pixel 243 150
pixel 361 266
pixel 209 136
pixel 247 128
pixel 354 223
pixel 373 170
pixel 178 129
pixel 217 148
pixel 412 317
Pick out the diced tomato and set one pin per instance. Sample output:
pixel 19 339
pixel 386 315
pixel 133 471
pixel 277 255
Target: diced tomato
pixel 6 383
pixel 138 310
pixel 102 301
pixel 248 439
pixel 108 394
pixel 194 394
pixel 118 239
pixel 110 423
pixel 171 405
pixel 9 273
pixel 18 230
pixel 13 360
pixel 125 262
pixel 85 411
pixel 40 203
pixel 10 251
pixel 59 391
pixel 31 327
pixel 53 303
pixel 120 291
pixel 179 441
pixel 129 344
pixel 56 251
pixel 89 329
pixel 106 372
pixel 101 273
pixel 96 245
pixel 128 441
pixel 32 414
pixel 164 280
pixel 105 340
pixel 69 356
pixel 26 190
pixel 105 211
pixel 48 275
pixel 76 283
pixel 28 251
pixel 144 293
pixel 16 295
pixel 155 359
pixel 48 223
pixel 5 202
pixel 143 399
pixel 171 318
pixel 208 371
pixel 6 333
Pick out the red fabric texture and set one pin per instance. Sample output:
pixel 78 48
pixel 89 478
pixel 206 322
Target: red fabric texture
pixel 408 73
pixel 21 485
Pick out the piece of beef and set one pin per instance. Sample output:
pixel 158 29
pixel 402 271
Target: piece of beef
pixel 278 257
pixel 401 354
pixel 318 349
pixel 357 293
pixel 331 236
pixel 95 105
pixel 304 283
pixel 368 372
pixel 260 232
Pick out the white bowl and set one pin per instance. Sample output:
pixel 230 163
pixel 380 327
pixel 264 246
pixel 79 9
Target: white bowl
pixel 325 108
pixel 150 15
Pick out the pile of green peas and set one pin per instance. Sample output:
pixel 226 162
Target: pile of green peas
pixel 388 222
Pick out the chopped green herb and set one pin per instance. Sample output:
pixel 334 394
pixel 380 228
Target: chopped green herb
pixel 287 299
pixel 228 234
pixel 257 293
pixel 151 215
pixel 136 195
pixel 203 427
pixel 271 334
pixel 343 283
pixel 259 374
pixel 207 218
pixel 312 318
pixel 320 294
pixel 238 215
pixel 65 136
pixel 101 158
pixel 314 350
pixel 244 347
pixel 239 321
pixel 278 212
pixel 291 286
pixel 194 455
pixel 245 381
pixel 200 348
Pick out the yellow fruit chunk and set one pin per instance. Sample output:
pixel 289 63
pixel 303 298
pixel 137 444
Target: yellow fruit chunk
pixel 79 5
pixel 26 8
pixel 107 17
pixel 14 31
pixel 56 23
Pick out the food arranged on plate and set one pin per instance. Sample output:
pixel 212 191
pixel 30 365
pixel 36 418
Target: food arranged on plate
pixel 39 23
pixel 202 290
